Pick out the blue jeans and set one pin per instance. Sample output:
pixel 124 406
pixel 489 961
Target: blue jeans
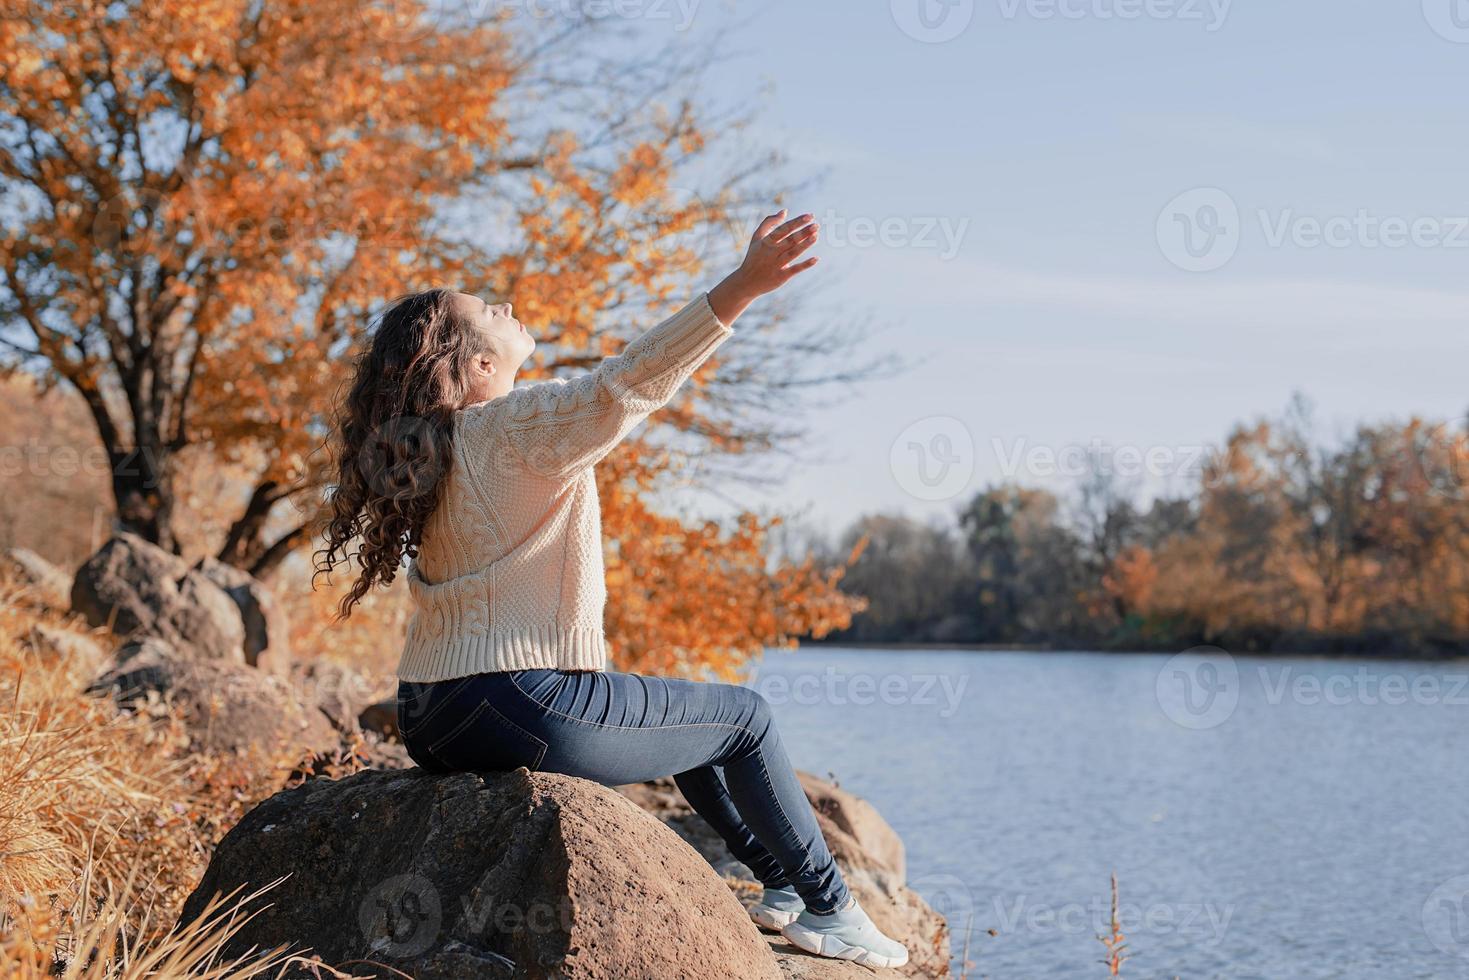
pixel 718 741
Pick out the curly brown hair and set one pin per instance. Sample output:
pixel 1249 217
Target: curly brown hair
pixel 392 437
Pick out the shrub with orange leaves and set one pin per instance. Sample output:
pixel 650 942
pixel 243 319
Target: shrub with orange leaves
pixel 691 599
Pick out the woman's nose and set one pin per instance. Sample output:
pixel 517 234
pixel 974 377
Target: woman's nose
pixel 504 309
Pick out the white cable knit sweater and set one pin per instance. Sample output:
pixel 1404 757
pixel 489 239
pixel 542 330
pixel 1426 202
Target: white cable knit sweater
pixel 509 575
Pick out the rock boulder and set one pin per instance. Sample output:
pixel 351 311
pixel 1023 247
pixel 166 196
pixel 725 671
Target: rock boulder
pixel 527 875
pixel 338 691
pixel 140 591
pixel 49 584
pixel 227 706
pixel 870 854
pixel 380 717
pixel 60 643
pixel 267 629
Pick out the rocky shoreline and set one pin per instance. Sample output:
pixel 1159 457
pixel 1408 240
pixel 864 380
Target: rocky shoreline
pixel 392 870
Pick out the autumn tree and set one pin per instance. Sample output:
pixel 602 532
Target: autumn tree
pixel 1291 540
pixel 1031 568
pixel 909 573
pixel 205 202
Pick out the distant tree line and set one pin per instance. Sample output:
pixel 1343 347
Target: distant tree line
pixel 1287 543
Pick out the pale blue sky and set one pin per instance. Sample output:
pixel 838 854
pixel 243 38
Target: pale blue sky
pixel 1048 148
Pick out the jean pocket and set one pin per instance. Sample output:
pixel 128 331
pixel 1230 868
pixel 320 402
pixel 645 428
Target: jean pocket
pixel 419 703
pixel 487 740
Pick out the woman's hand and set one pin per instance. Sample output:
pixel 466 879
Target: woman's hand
pixel 770 262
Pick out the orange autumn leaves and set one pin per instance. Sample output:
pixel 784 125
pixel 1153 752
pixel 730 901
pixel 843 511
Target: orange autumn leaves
pixel 1364 538
pixel 683 597
pixel 240 177
pixel 214 196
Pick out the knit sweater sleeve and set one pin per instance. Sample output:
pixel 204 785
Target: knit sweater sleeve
pixel 560 427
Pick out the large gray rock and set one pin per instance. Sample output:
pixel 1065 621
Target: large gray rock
pixel 381 718
pixel 869 851
pixel 49 584
pixel 267 629
pixel 866 848
pixel 139 591
pixel 227 706
pixel 60 643
pixel 479 875
pixel 338 691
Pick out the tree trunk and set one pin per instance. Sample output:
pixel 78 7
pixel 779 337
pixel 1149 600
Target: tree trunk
pixel 245 544
pixel 270 562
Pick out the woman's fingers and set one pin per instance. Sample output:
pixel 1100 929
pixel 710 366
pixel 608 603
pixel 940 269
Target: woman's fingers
pixel 775 246
pixel 769 223
pixel 796 244
pixel 791 271
pixel 790 228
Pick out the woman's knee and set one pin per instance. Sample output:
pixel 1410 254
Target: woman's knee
pixel 753 710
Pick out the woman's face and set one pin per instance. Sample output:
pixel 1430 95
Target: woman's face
pixel 507 345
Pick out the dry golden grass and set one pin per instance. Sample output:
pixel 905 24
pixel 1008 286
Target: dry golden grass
pixel 98 946
pixel 107 819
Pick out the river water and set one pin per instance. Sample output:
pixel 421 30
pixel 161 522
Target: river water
pixel 1265 817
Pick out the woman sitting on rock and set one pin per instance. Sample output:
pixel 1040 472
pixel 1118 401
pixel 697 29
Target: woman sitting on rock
pixel 489 489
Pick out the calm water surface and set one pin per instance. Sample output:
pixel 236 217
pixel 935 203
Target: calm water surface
pixel 1276 818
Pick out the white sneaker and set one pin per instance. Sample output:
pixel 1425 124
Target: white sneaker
pixel 847 934
pixel 777 908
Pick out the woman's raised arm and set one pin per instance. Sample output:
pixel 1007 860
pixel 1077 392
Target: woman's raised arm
pixel 770 262
pixel 562 426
